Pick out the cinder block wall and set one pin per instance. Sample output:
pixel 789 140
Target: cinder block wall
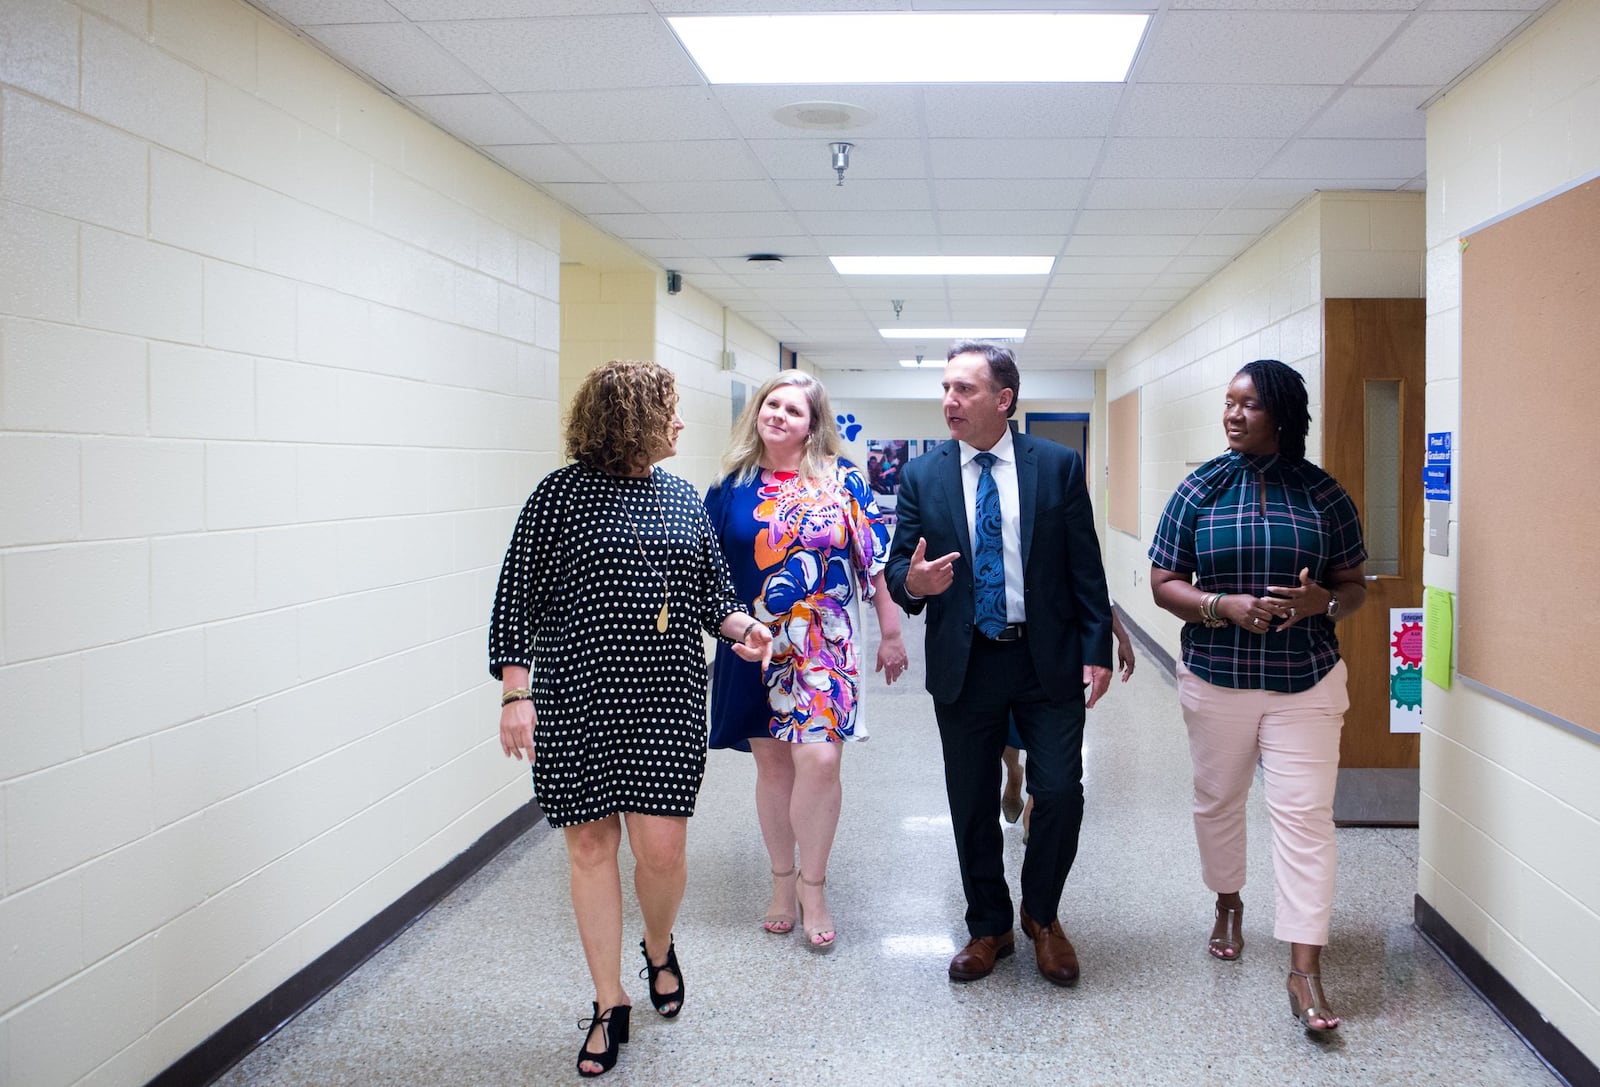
pixel 277 369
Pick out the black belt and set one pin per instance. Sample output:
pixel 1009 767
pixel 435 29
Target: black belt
pixel 1012 633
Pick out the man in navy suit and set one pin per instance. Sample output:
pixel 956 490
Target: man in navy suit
pixel 1033 643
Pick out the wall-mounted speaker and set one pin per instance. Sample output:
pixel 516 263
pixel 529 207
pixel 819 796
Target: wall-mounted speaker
pixel 674 281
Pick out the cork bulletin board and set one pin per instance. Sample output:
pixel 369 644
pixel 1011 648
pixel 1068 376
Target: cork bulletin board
pixel 1122 463
pixel 1528 458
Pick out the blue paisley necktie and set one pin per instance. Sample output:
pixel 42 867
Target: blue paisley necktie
pixel 989 563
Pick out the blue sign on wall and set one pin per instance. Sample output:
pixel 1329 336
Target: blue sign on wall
pixel 1436 467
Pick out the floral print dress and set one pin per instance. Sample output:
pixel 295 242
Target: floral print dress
pixel 803 552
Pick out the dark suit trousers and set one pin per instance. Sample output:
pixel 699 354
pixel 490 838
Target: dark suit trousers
pixel 1001 683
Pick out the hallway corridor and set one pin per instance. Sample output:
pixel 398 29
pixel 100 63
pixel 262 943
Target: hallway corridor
pixel 487 988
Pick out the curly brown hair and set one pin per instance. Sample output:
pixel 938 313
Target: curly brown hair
pixel 621 416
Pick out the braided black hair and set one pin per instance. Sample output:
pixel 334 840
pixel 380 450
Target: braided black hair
pixel 1282 390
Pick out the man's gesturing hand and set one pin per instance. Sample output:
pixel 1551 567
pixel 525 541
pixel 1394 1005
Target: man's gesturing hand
pixel 930 577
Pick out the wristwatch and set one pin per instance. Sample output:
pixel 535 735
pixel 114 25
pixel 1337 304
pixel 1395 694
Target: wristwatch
pixel 1333 604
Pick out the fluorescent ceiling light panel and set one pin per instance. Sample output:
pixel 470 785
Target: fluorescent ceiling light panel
pixel 913 47
pixel 923 364
pixel 943 266
pixel 952 333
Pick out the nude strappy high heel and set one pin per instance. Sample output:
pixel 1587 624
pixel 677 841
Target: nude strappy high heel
pixel 817 939
pixel 780 924
pixel 1318 1008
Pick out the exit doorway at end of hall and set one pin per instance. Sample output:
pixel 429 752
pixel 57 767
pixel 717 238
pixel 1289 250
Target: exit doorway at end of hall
pixel 1069 428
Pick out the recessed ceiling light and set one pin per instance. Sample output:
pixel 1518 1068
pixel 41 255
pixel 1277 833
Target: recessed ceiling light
pixel 943 266
pixel 913 47
pixel 952 333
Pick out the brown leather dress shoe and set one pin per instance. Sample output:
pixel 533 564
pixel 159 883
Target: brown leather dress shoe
pixel 977 959
pixel 1058 960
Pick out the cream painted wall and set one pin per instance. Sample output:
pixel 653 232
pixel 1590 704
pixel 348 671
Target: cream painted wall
pixel 277 370
pixel 605 314
pixel 1266 304
pixel 1510 809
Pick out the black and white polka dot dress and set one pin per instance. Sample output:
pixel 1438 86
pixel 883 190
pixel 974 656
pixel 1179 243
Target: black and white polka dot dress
pixel 621 706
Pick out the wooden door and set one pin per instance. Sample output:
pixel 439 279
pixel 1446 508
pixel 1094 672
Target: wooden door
pixel 1373 443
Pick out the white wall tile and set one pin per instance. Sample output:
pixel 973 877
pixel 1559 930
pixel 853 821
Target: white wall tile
pixel 296 564
pixel 62 599
pixel 56 377
pixel 140 287
pixel 196 207
pixel 138 487
pixel 38 489
pixel 43 720
pixel 48 1042
pixel 133 14
pixel 219 38
pixel 297 80
pixel 139 687
pixel 141 90
pixel 200 393
pixel 393 550
pixel 41 938
pixel 39 277
pixel 296 403
pixel 61 817
pixel 201 763
pixel 250 483
pixel 63 162
pixel 200 577
pixel 39 48
pixel 248 311
pixel 249 658
pixel 334 329
pixel 351 630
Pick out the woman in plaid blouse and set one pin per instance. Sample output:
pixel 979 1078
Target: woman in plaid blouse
pixel 1259 551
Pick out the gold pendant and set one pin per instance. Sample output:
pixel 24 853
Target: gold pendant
pixel 661 619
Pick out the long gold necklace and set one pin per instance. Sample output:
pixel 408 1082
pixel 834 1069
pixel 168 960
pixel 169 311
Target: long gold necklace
pixel 661 617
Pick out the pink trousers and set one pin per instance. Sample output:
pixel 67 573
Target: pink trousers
pixel 1295 737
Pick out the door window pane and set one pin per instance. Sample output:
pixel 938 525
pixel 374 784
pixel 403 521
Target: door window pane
pixel 1383 477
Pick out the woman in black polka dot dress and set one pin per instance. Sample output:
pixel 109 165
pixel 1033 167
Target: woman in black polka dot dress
pixel 611 576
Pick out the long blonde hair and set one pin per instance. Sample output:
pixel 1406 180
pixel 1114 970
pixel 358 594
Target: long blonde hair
pixel 817 460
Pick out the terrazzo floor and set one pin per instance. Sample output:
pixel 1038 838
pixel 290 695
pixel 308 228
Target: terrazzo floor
pixel 487 988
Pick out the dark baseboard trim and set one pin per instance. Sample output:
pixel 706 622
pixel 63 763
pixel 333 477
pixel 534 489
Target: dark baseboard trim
pixel 1565 1061
pixel 206 1062
pixel 1147 645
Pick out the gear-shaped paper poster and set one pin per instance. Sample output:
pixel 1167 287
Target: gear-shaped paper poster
pixel 1405 669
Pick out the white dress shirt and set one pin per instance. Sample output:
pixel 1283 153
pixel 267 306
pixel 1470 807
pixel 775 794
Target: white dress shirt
pixel 1004 472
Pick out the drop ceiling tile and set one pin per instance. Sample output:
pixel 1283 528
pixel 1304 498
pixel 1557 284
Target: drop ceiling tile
pixel 569 53
pixel 1480 5
pixel 398 56
pixel 540 163
pixel 434 10
pixel 1185 109
pixel 1199 158
pixel 1040 158
pixel 592 198
pixel 1273 47
pixel 1019 195
pixel 1220 245
pixel 876 223
pixel 631 228
pixel 1149 221
pixel 857 194
pixel 1325 159
pixel 857 245
pixel 1005 222
pixel 667 252
pixel 480 118
pixel 1204 265
pixel 698 161
pixel 618 116
pixel 1374 113
pixel 1255 221
pixel 1299 5
pixel 1023 245
pixel 719 7
pixel 811 159
pixel 708 197
pixel 1435 48
pixel 317 12
pixel 1124 265
pixel 1139 193
pixel 890 112
pixel 995 110
pixel 1127 245
pixel 787 246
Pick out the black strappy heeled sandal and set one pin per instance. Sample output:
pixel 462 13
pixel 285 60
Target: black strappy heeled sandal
pixel 613 1027
pixel 660 1000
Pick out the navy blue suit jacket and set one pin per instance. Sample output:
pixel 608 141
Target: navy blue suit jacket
pixel 1063 579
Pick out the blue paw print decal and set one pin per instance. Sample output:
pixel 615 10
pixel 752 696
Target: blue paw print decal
pixel 848 426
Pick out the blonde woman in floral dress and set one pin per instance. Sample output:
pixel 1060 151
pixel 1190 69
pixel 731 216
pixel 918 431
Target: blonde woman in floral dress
pixel 804 540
